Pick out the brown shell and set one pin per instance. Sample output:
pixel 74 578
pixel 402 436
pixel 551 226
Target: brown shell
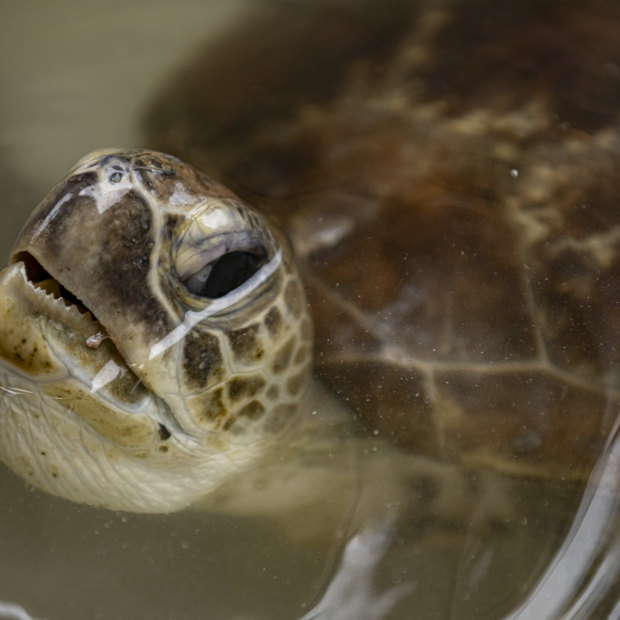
pixel 449 175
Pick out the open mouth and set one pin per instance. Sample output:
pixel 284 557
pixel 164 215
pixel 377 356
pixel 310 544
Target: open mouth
pixel 73 335
pixel 55 294
pixel 37 275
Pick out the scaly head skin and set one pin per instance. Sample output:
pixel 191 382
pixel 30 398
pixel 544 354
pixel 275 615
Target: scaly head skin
pixel 154 337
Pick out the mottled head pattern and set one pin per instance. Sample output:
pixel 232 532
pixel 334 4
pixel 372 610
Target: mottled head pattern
pixel 150 311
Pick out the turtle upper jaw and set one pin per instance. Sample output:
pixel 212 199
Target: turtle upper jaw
pixel 48 295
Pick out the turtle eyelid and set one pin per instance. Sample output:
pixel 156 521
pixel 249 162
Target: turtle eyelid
pixel 192 259
pixel 223 275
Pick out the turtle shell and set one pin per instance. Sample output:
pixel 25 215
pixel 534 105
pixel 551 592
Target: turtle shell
pixel 448 174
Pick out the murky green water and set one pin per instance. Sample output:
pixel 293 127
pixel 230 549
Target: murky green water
pixel 80 76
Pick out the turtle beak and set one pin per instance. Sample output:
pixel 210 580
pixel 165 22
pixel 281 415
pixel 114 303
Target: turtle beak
pixel 46 333
pixel 37 275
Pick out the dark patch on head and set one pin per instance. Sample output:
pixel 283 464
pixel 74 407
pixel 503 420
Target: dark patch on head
pixel 253 410
pixel 212 405
pixel 246 345
pixel 273 322
pixel 202 358
pixel 244 387
pixel 125 260
pixel 282 357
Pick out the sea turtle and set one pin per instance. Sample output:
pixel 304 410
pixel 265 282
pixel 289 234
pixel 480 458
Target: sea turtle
pixel 448 174
pixel 459 246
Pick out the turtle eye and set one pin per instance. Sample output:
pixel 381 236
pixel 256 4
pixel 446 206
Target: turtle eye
pixel 221 247
pixel 226 273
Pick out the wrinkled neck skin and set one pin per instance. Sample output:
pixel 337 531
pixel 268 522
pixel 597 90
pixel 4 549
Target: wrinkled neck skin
pixel 313 480
pixel 314 463
pixel 320 480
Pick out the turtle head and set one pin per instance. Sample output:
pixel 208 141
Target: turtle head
pixel 154 337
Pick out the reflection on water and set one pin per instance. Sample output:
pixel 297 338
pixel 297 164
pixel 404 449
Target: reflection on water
pixel 460 543
pixel 586 567
pixel 175 566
